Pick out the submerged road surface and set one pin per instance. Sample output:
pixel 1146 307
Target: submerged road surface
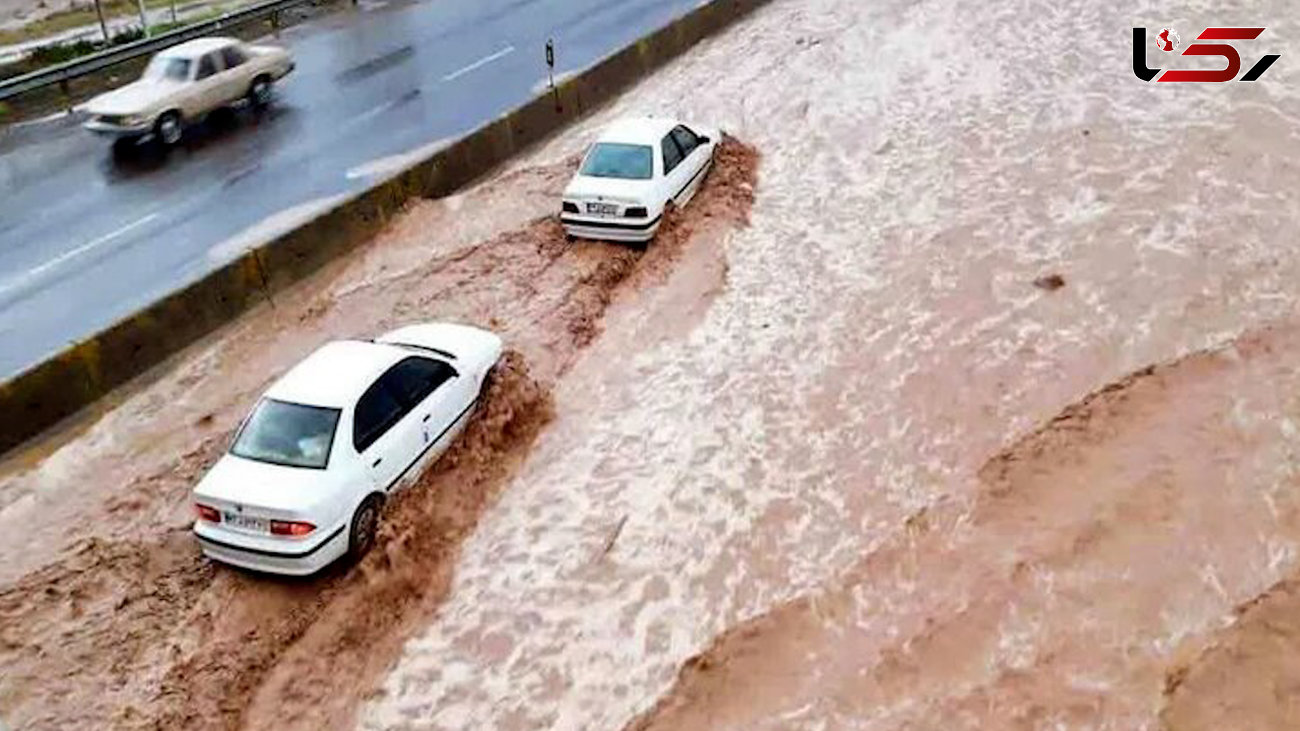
pixel 87 237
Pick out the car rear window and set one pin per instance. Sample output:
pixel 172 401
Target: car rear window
pixel 233 56
pixel 617 160
pixel 288 434
pixel 162 68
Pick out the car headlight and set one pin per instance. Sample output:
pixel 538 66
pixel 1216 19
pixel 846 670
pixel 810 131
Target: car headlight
pixel 122 120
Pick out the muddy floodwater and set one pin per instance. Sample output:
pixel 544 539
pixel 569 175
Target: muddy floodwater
pixel 967 396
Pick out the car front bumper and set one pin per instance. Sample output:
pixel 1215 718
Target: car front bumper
pixel 109 129
pixel 272 555
pixel 604 229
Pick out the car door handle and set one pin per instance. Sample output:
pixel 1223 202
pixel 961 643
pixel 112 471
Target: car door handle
pixel 377 462
pixel 426 418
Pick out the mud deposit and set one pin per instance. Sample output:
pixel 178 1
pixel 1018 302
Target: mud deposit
pixel 112 619
pixel 1046 599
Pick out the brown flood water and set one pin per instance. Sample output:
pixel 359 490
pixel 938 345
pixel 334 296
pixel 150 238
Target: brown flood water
pixel 1046 600
pixel 125 625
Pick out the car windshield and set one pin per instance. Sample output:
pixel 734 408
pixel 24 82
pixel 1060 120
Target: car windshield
pixel 614 160
pixel 163 68
pixel 287 434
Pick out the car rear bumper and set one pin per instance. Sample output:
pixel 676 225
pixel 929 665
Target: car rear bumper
pixel 604 229
pixel 108 129
pixel 274 556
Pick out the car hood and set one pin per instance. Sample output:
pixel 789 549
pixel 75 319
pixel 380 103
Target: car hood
pixel 584 187
pixel 138 97
pixel 269 489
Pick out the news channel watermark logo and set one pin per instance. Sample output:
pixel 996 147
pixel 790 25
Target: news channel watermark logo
pixel 1169 41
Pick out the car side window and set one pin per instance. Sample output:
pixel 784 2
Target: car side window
pixel 233 56
pixel 672 153
pixel 415 378
pixel 686 139
pixel 377 411
pixel 207 66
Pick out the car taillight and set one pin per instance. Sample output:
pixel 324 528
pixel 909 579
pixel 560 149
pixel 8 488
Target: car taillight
pixel 212 515
pixel 291 528
pixel 636 212
pixel 570 207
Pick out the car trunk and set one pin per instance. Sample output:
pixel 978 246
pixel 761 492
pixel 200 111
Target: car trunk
pixel 250 494
pixel 616 192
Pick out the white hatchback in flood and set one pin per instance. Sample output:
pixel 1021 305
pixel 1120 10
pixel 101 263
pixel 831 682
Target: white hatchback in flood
pixel 309 469
pixel 628 178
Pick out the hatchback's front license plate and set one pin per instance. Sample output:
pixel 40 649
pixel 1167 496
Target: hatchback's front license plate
pixel 602 209
pixel 244 522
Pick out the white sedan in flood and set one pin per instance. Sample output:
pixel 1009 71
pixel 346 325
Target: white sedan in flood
pixel 310 468
pixel 629 177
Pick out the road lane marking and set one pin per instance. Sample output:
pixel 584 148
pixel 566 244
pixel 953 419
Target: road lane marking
pixel 21 281
pixel 37 271
pixel 480 63
pixel 373 112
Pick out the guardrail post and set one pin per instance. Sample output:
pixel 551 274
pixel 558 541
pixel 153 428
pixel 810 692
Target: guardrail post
pixel 275 20
pixel 67 94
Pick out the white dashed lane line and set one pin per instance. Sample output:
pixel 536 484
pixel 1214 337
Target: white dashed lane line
pixel 479 63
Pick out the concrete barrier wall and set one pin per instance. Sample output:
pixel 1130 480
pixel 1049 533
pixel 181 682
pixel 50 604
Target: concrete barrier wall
pixel 47 393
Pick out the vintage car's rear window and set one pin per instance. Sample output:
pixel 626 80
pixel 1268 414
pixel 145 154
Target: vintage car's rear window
pixel 617 160
pixel 292 435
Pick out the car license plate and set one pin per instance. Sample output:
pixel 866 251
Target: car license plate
pixel 602 209
pixel 244 522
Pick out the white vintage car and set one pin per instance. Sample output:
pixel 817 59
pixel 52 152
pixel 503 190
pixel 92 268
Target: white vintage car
pixel 629 177
pixel 308 471
pixel 185 83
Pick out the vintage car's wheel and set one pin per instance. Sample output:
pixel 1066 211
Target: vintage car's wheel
pixel 168 128
pixel 259 94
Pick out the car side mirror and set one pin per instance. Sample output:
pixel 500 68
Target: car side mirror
pixel 704 140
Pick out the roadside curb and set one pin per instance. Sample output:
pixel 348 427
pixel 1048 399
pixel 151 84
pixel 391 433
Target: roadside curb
pixel 47 393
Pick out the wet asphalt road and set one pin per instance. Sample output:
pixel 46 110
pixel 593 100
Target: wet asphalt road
pixel 87 236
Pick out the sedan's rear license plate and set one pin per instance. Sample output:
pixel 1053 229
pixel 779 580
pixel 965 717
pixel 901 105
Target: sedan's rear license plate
pixel 602 209
pixel 244 522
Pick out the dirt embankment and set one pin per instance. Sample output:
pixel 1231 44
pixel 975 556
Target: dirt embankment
pixel 132 628
pixel 1083 584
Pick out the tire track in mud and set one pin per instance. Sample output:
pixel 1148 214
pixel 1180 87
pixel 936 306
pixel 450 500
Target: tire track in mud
pixel 146 634
pixel 1086 571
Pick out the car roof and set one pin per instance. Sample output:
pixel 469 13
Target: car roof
pixel 638 130
pixel 336 374
pixel 197 47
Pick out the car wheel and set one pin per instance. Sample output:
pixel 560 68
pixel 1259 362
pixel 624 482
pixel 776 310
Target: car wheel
pixel 168 129
pixel 365 526
pixel 259 94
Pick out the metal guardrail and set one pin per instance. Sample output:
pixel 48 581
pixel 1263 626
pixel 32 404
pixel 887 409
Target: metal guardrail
pixel 68 70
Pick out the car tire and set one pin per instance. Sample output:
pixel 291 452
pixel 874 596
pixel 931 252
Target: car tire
pixel 259 94
pixel 364 528
pixel 169 128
